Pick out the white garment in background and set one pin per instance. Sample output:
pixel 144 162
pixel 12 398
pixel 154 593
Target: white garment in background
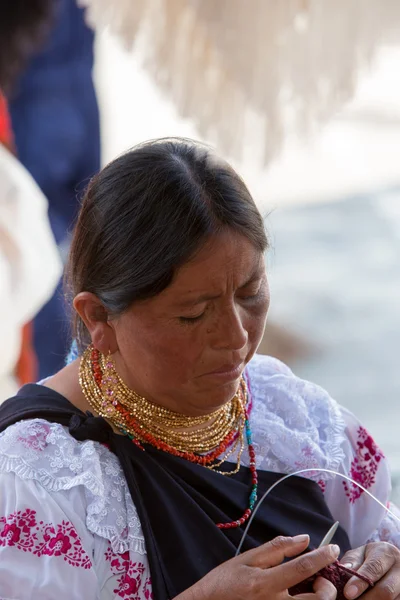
pixel 30 267
pixel 69 529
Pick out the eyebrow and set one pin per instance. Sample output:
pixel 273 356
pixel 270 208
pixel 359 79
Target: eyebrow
pixel 205 297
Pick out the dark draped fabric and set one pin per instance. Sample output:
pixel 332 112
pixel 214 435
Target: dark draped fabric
pixel 179 503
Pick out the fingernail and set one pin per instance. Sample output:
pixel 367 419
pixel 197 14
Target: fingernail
pixel 300 539
pixel 352 592
pixel 335 549
pixel 348 565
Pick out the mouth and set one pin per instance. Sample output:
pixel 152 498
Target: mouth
pixel 228 372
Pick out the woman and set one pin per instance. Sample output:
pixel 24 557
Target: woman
pixel 134 469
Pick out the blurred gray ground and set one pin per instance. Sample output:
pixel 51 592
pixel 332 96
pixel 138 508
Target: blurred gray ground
pixel 335 280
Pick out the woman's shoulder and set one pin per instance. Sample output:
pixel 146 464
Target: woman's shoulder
pixel 273 384
pixel 45 453
pixel 263 366
pixel 297 424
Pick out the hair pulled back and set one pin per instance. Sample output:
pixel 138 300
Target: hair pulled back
pixel 146 214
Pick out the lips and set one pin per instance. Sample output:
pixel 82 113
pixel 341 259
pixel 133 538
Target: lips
pixel 228 368
pixel 227 372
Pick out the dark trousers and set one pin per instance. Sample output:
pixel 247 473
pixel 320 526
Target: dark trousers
pixel 55 119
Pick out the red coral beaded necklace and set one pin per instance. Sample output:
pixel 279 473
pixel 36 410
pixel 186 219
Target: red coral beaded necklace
pixel 128 412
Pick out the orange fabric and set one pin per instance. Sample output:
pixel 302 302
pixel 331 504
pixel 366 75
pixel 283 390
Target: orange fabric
pixel 6 137
pixel 26 369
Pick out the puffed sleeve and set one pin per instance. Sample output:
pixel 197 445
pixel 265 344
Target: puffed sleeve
pixel 362 517
pixel 68 527
pixel 45 550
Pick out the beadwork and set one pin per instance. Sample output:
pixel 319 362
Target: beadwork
pixel 186 433
pixel 200 440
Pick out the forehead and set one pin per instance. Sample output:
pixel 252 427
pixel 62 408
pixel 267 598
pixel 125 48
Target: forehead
pixel 226 259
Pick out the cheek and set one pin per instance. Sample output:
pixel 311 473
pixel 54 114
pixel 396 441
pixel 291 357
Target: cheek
pixel 256 322
pixel 255 328
pixel 164 351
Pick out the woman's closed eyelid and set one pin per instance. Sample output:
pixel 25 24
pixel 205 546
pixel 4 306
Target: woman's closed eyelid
pixel 189 320
pixel 251 293
pixel 252 288
pixel 241 295
pixel 193 317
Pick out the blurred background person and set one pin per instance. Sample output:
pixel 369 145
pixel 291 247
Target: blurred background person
pixel 29 260
pixel 26 369
pixel 55 120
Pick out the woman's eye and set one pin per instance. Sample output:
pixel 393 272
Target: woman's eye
pixel 189 320
pixel 250 297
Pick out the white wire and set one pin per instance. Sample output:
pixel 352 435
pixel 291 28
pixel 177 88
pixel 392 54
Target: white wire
pixel 313 470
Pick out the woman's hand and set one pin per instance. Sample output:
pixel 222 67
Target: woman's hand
pixel 260 575
pixel 380 562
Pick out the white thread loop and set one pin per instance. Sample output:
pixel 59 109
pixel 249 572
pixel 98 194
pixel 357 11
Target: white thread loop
pixel 310 470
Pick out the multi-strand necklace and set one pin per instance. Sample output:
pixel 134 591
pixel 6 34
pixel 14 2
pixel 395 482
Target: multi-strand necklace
pixel 201 440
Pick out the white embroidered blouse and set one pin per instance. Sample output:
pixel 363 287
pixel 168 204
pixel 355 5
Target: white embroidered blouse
pixel 68 526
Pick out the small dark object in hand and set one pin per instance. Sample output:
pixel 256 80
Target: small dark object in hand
pixel 336 574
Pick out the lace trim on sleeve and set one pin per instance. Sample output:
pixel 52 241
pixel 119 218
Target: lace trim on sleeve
pixel 389 528
pixel 296 424
pixel 47 453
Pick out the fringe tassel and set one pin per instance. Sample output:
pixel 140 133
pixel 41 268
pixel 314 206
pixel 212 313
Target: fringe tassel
pixel 251 70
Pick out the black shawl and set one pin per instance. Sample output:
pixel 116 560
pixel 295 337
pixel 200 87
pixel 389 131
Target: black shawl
pixel 179 503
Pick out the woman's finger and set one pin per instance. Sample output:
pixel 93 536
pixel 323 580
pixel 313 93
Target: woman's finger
pixel 387 588
pixel 378 560
pixel 274 552
pixel 353 559
pixel 297 570
pixel 324 589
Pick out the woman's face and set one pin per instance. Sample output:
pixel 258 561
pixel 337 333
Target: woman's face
pixel 187 347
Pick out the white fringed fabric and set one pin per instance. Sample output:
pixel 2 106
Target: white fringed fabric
pixel 252 69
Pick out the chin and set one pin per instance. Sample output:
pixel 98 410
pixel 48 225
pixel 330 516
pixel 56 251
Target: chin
pixel 213 397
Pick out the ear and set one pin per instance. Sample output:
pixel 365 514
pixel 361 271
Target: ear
pixel 96 319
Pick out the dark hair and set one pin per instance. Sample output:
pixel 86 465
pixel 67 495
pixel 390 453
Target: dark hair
pixel 147 213
pixel 23 26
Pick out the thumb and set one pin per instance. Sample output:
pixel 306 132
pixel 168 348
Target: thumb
pixel 300 568
pixel 274 552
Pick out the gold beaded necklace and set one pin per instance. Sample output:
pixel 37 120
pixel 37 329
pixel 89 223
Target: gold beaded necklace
pixel 143 420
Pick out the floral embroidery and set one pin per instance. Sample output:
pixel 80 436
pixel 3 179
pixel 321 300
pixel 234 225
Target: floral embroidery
pixel 12 533
pixel 148 594
pixel 59 544
pixel 22 530
pixel 47 453
pixel 364 465
pixel 131 576
pixel 309 462
pixel 36 437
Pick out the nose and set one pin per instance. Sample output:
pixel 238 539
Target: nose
pixel 230 333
